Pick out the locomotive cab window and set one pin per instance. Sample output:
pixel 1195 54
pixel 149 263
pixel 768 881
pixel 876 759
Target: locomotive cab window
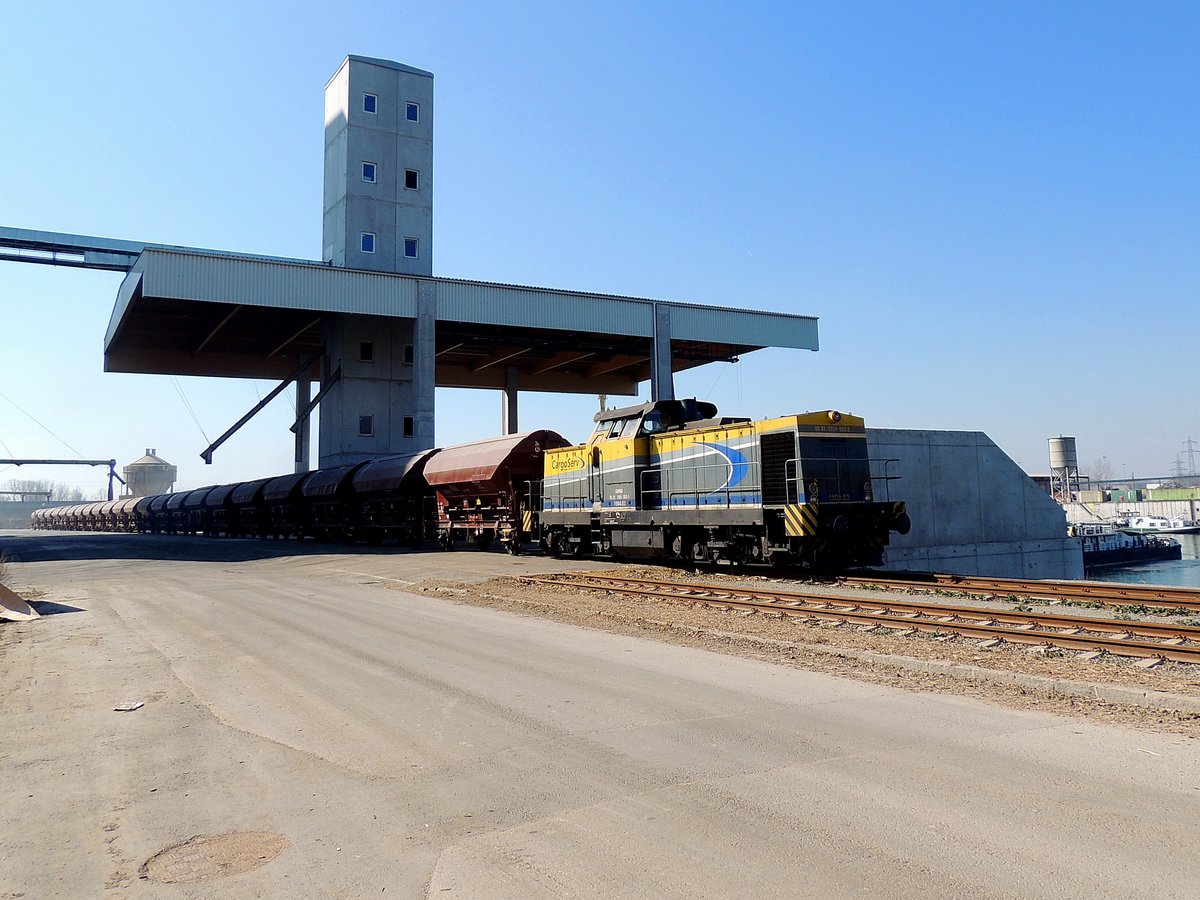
pixel 629 429
pixel 652 422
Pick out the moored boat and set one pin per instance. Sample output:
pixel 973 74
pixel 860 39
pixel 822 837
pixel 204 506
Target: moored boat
pixel 1160 525
pixel 1103 545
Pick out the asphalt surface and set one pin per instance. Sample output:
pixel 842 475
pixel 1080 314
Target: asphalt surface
pixel 404 745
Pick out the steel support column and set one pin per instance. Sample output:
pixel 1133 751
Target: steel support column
pixel 662 382
pixel 508 402
pixel 303 398
pixel 424 364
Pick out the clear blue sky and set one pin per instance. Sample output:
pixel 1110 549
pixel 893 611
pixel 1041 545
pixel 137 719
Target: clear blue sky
pixel 992 208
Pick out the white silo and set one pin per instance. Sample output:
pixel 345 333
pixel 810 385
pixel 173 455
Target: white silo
pixel 1064 469
pixel 149 475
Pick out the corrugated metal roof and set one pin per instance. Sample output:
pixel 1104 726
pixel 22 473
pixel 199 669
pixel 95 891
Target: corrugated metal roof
pixel 273 283
pixel 286 284
pixel 690 322
pixel 493 304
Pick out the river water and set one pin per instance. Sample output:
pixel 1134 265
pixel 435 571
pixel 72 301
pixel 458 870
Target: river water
pixel 1179 572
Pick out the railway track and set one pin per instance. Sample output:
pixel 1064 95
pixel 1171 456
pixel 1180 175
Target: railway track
pixel 1105 593
pixel 1146 640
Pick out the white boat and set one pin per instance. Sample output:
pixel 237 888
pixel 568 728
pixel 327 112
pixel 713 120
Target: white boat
pixel 1160 525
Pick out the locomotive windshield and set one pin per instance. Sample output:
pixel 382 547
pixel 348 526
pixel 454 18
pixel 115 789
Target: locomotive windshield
pixel 837 466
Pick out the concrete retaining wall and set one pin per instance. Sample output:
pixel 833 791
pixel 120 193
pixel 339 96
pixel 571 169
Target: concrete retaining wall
pixel 974 511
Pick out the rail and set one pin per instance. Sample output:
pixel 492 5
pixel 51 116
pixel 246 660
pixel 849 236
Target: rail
pixel 1120 637
pixel 1102 593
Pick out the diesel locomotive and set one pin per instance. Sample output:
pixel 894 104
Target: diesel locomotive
pixel 672 479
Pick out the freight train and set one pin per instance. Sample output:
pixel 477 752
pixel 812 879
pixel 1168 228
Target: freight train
pixel 663 480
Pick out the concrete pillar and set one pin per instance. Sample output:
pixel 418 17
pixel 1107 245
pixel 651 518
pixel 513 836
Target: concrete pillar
pixel 662 382
pixel 508 405
pixel 425 364
pixel 303 396
pixel 384 386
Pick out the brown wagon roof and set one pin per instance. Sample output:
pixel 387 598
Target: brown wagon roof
pixel 248 491
pixel 279 488
pixel 480 461
pixel 325 482
pixel 218 495
pixel 195 499
pixel 391 472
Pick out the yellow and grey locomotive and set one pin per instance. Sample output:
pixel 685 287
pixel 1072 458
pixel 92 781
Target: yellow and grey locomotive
pixel 672 479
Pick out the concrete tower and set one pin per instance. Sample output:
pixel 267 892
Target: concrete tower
pixel 379 167
pixel 378 216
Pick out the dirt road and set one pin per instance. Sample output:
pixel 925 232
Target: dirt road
pixel 356 740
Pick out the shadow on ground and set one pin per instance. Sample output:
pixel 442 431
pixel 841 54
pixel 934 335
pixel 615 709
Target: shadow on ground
pixel 50 608
pixel 40 546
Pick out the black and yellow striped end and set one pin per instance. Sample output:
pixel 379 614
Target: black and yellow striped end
pixel 801 519
pixel 527 521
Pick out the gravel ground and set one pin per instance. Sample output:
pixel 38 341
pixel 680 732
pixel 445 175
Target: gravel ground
pixel 756 636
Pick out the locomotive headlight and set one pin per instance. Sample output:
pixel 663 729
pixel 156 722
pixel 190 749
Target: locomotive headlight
pixel 867 489
pixel 835 416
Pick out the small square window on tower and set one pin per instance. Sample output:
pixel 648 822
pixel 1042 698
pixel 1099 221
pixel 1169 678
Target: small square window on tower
pixel 412 111
pixel 366 426
pixel 370 103
pixel 410 248
pixel 366 351
pixel 368 172
pixel 368 242
pixel 408 426
pixel 408 354
pixel 411 179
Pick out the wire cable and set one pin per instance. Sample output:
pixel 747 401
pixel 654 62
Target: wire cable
pixel 188 406
pixel 40 425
